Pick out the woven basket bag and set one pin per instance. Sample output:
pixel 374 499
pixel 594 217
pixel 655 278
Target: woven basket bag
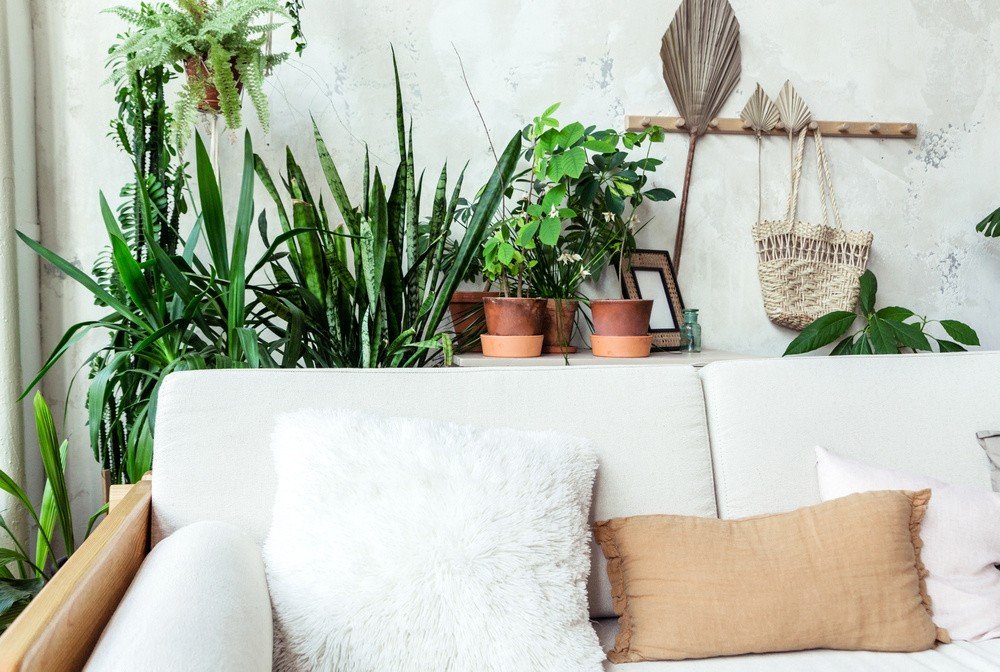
pixel 808 270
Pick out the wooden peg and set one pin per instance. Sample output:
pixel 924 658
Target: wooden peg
pixel 646 122
pixel 906 129
pixel 843 128
pixel 874 128
pixel 780 126
pixel 714 123
pixel 746 125
pixel 813 125
pixel 680 123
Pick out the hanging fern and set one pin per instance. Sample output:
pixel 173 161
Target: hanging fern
pixel 222 40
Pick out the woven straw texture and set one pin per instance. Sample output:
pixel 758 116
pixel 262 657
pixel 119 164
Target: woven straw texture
pixel 808 270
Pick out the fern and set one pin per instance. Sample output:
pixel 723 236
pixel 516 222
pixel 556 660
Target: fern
pixel 226 35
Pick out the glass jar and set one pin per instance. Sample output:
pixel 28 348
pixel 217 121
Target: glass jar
pixel 691 331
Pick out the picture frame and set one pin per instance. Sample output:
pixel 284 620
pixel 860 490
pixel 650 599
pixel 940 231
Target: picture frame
pixel 649 274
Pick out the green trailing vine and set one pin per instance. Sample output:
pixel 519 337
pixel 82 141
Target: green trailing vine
pixel 222 45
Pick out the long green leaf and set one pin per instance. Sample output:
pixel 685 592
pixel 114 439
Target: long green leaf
pixel 241 236
pixel 48 514
pixel 213 216
pixel 48 443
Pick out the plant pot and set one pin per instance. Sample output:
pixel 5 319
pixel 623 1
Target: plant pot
pixel 621 317
pixel 621 346
pixel 466 310
pixel 196 69
pixel 514 316
pixel 518 347
pixel 560 315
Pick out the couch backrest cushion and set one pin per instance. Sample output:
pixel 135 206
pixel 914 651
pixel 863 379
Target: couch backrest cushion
pixel 915 413
pixel 212 458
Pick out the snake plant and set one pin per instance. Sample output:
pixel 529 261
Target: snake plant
pixel 374 290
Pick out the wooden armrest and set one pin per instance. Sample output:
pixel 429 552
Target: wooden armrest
pixel 60 627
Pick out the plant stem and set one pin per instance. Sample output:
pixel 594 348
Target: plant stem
pixel 679 240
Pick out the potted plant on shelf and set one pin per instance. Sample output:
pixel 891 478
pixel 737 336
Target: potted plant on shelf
pixel 606 197
pixel 220 44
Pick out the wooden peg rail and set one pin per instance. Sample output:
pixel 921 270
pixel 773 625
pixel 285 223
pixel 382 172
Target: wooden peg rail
pixel 829 129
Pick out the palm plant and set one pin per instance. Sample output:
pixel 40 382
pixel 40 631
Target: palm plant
pixel 182 313
pixel 373 291
pixel 221 44
pixel 22 573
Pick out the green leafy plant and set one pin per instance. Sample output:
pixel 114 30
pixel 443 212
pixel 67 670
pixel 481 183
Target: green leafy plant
pixel 220 43
pixel 606 197
pixel 889 330
pixel 990 226
pixel 373 291
pixel 183 313
pixel 23 573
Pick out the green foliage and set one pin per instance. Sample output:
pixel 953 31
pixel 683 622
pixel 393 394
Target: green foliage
pixel 221 42
pixel 373 291
pixel 22 575
pixel 177 312
pixel 990 226
pixel 890 330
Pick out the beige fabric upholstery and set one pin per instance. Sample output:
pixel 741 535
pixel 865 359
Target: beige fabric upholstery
pixel 213 455
pixel 915 413
pixel 689 587
pixel 958 657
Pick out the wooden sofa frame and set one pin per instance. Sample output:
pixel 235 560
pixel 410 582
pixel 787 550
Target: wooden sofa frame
pixel 59 628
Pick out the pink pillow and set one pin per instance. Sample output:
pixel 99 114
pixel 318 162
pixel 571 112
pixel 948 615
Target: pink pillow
pixel 961 535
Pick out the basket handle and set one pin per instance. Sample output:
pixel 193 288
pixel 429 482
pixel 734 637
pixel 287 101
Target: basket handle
pixel 793 198
pixel 825 183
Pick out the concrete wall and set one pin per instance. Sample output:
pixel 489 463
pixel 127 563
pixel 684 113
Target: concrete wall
pixel 928 61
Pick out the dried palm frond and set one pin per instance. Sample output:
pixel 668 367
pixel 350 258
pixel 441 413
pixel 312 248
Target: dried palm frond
pixel 701 66
pixel 761 115
pixel 795 115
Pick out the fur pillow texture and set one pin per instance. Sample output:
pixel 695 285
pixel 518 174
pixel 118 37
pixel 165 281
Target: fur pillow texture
pixel 961 541
pixel 406 544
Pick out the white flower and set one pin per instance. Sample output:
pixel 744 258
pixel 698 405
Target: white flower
pixel 584 273
pixel 609 216
pixel 567 258
pixel 553 212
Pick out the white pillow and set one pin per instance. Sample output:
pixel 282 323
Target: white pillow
pixel 402 544
pixel 961 537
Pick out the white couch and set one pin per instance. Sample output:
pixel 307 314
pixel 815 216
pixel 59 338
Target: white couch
pixel 732 440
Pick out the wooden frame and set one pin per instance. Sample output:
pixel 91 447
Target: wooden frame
pixel 664 337
pixel 60 627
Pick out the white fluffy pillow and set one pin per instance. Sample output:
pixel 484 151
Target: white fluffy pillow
pixel 405 545
pixel 961 536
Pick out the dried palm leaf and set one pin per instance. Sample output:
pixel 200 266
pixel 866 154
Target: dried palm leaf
pixel 701 66
pixel 795 115
pixel 761 115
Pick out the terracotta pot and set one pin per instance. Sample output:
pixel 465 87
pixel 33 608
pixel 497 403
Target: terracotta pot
pixel 621 317
pixel 512 346
pixel 514 316
pixel 621 346
pixel 559 321
pixel 195 68
pixel 466 310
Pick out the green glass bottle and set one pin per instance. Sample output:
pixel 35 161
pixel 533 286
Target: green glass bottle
pixel 691 331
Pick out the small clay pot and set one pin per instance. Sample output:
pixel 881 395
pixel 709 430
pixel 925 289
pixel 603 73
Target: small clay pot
pixel 515 347
pixel 621 346
pixel 560 315
pixel 196 69
pixel 514 316
pixel 621 317
pixel 466 310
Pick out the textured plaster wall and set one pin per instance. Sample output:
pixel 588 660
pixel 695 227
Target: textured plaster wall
pixel 929 61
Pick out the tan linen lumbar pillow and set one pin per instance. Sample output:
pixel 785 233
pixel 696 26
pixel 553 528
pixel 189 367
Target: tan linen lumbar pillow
pixel 845 574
